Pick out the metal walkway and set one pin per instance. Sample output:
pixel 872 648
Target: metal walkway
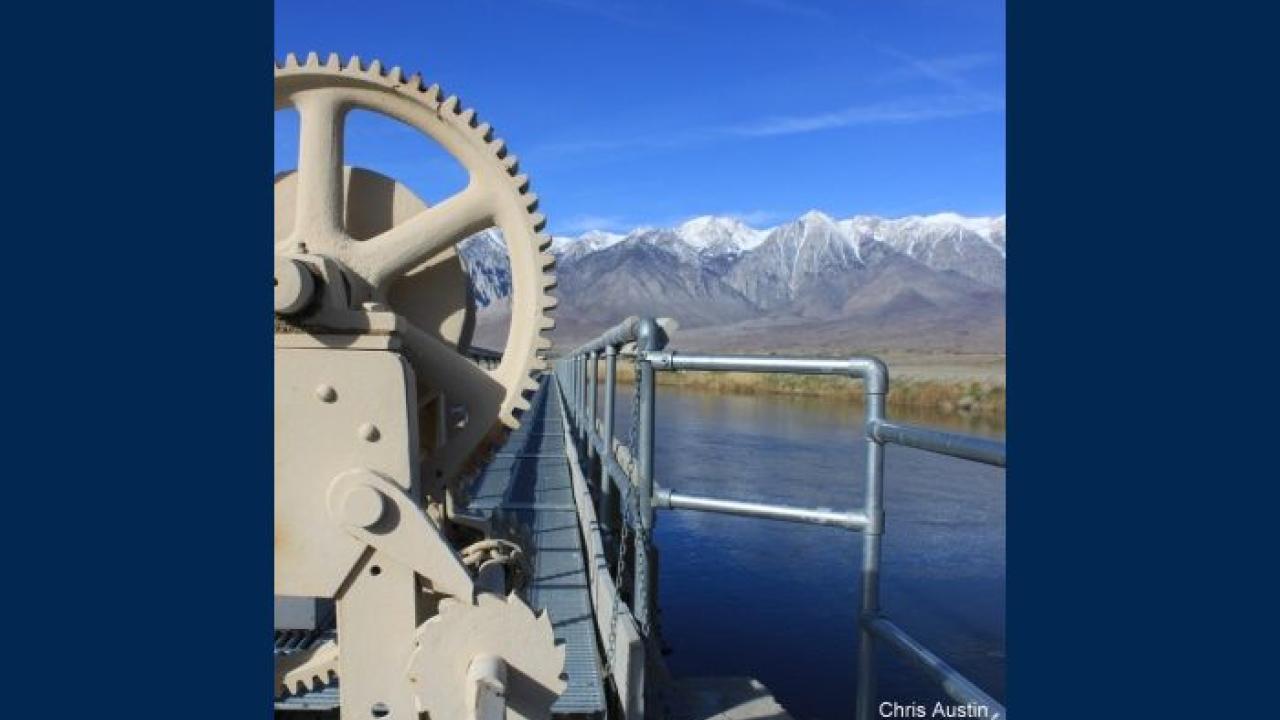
pixel 528 487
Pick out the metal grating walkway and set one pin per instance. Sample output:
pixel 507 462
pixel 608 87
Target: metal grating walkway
pixel 528 485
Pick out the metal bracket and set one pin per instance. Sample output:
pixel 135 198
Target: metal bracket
pixel 379 513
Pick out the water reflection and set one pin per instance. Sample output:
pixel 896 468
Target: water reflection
pixel 776 601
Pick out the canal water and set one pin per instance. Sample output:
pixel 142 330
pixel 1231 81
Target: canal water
pixel 776 601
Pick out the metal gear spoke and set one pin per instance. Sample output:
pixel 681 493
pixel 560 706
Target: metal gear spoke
pixel 320 167
pixel 424 236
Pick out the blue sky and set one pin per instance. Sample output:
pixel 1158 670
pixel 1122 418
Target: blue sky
pixel 648 112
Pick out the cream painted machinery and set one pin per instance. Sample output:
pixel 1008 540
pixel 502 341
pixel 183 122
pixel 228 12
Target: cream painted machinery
pixel 379 413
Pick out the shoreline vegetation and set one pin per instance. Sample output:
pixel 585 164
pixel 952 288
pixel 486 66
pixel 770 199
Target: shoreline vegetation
pixel 980 393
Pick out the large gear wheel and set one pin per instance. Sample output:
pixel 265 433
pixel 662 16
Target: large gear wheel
pixel 494 626
pixel 410 266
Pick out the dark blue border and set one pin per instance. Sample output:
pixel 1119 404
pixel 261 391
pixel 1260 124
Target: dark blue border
pixel 1142 192
pixel 138 424
pixel 137 373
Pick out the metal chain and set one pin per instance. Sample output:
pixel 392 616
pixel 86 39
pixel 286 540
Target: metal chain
pixel 630 513
pixel 630 517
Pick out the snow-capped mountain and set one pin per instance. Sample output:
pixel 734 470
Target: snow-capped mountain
pixel 485 256
pixel 711 235
pixel 585 244
pixel 944 274
pixel 973 247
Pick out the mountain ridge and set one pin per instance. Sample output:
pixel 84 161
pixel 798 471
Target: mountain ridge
pixel 918 282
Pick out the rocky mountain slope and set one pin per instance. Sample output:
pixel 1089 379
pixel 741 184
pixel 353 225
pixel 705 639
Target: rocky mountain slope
pixel 932 283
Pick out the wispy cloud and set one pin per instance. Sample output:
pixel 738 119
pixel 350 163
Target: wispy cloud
pixel 947 69
pixel 896 112
pixel 582 223
pixel 949 72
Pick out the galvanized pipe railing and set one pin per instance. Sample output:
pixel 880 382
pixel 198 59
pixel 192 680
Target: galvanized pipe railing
pixel 956 685
pixel 672 500
pixel 617 485
pixel 964 447
pixel 869 520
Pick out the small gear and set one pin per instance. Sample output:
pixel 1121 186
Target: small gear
pixel 502 627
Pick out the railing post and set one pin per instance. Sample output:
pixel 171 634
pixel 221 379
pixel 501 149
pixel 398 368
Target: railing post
pixel 649 337
pixel 593 363
pixel 608 490
pixel 876 386
pixel 577 396
pixel 582 403
pixel 644 492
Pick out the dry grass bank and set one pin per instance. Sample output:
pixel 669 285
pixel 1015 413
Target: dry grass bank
pixel 973 391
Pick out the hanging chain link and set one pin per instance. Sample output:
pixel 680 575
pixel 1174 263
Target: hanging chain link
pixel 630 514
pixel 630 519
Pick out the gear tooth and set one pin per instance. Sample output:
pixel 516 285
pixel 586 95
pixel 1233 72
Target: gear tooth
pixel 546 261
pixel 531 201
pixel 333 62
pixel 433 93
pixel 354 64
pixel 499 147
pixel 513 164
pixel 485 131
pixel 313 60
pixel 291 61
pixel 416 82
pixel 547 323
pixel 375 68
pixel 542 343
pixel 450 104
pixel 521 182
pixel 549 302
pixel 397 75
pixel 538 221
pixel 469 117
